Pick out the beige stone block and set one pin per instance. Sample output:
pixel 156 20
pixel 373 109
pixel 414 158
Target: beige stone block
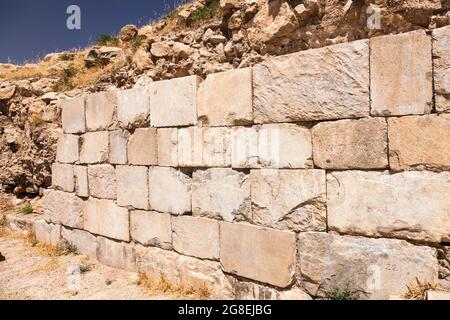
pixel 94 147
pixel 116 254
pixel 73 115
pixel 151 228
pixel 85 242
pixel 260 254
pixel 401 74
pixel 81 181
pixel 409 205
pixel 63 208
pixel 351 144
pixel 100 110
pixel 67 149
pixel 102 181
pixel 438 295
pixel 168 147
pixel 133 107
pixel 132 186
pixel 441 63
pixel 143 147
pixel 63 177
pixel 118 141
pixel 244 147
pixel 47 233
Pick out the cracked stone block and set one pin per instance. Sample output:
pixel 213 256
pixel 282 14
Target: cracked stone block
pixel 100 110
pixel 401 74
pixel 94 147
pixel 73 116
pixel 132 186
pixel 151 228
pixel 221 193
pixel 116 254
pixel 143 147
pixel 197 237
pixel 371 268
pixel 47 233
pixel 85 242
pixel 102 181
pixel 232 104
pixel 67 149
pixel 441 62
pixel 63 177
pixel 289 199
pixel 168 147
pixel 410 205
pixel 63 208
pixel 118 141
pixel 133 107
pixel 81 181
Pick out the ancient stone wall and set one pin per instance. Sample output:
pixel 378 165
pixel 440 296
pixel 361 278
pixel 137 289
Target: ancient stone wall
pixel 314 171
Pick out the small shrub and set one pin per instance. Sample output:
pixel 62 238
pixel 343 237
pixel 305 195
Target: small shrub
pixel 418 290
pixel 137 42
pixel 107 40
pixel 84 268
pixel 203 13
pixel 27 209
pixel 66 56
pixel 65 81
pixel 65 247
pixel 340 294
pixel 172 14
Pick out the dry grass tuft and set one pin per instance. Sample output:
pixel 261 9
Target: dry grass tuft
pixel 418 290
pixel 53 264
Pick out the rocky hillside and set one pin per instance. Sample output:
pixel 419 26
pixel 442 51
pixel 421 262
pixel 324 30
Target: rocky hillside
pixel 200 37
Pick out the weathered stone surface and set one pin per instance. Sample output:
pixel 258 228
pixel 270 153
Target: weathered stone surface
pixel 151 228
pixel 105 218
pixel 419 142
pixel 47 233
pixel 132 186
pixel 244 147
pixel 63 177
pixel 81 181
pixel 372 268
pixel 170 190
pixel 232 104
pixel 85 242
pixel 407 205
pixel 174 102
pixel 289 199
pixel 67 149
pixel 73 115
pixel 116 254
pixel 100 108
pixel 438 295
pixel 143 147
pixel 401 74
pixel 102 181
pixel 197 237
pixel 168 147
pixel 284 91
pixel 256 253
pixel 118 141
pixel 221 193
pixel 133 107
pixel 351 144
pixel 63 208
pixel 441 61
pixel 94 147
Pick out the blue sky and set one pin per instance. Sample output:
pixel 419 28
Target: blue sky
pixel 31 28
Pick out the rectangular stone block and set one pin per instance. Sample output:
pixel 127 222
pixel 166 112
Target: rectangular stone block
pixel 174 102
pixel 67 149
pixel 63 208
pixel 244 147
pixel 197 237
pixel 151 228
pixel 318 84
pixel 63 177
pixel 259 254
pixel 401 74
pixel 231 104
pixel 168 147
pixel 81 181
pixel 118 141
pixel 105 218
pixel 94 147
pixel 371 268
pixel 407 205
pixel 289 199
pixel 351 144
pixel 100 110
pixel 132 186
pixel 419 142
pixel 133 107
pixel 221 193
pixel 143 147
pixel 116 254
pixel 441 63
pixel 47 233
pixel 73 115
pixel 85 242
pixel 102 181
pixel 170 190
pixel 438 295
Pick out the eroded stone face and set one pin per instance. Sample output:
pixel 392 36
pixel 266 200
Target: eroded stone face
pixel 116 254
pixel 94 147
pixel 67 149
pixel 410 205
pixel 47 233
pixel 401 74
pixel 100 109
pixel 63 177
pixel 143 147
pixel 85 242
pixel 372 268
pixel 132 186
pixel 118 141
pixel 133 107
pixel 73 115
pixel 81 181
pixel 63 208
pixel 102 181
pixel 151 228
pixel 441 62
pixel 168 147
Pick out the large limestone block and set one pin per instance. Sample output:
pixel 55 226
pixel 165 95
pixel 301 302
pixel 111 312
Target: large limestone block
pixel 441 62
pixel 118 141
pixel 174 102
pixel 81 181
pixel 168 147
pixel 221 193
pixel 63 208
pixel 105 218
pixel 289 199
pixel 244 147
pixel 318 84
pixel 102 181
pixel 260 254
pixel 67 149
pixel 197 237
pixel 73 115
pixel 419 142
pixel 143 147
pixel 170 190
pixel 409 205
pixel 351 144
pixel 116 254
pixel 371 268
pixel 133 107
pixel 151 228
pixel 401 74
pixel 229 105
pixel 94 147
pixel 100 110
pixel 47 233
pixel 132 186
pixel 85 242
pixel 63 177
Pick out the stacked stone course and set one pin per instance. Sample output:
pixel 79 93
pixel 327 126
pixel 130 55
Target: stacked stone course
pixel 309 172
